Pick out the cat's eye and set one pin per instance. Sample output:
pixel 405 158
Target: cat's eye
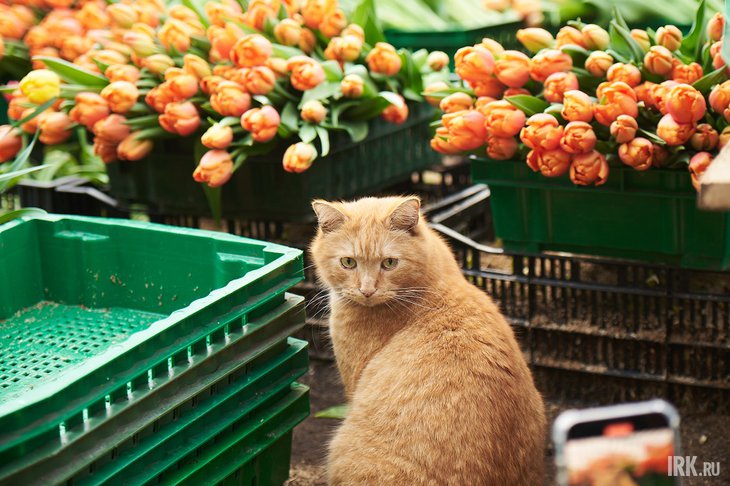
pixel 389 263
pixel 348 263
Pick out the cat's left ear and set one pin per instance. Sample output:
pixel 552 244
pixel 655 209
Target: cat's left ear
pixel 405 216
pixel 329 217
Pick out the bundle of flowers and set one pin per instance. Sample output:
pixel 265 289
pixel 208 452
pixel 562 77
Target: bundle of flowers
pixel 239 81
pixel 590 98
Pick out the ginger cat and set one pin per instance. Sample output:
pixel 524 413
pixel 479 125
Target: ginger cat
pixel 438 390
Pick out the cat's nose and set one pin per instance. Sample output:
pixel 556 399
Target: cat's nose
pixel 367 292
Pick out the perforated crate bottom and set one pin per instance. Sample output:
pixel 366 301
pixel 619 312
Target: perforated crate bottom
pixel 42 342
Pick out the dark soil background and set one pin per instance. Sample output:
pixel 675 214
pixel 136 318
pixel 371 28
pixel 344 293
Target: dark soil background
pixel 704 435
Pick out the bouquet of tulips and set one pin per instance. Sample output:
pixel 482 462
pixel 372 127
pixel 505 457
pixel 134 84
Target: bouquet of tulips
pixel 590 98
pixel 239 82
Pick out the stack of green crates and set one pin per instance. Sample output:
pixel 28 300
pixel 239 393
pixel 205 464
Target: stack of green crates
pixel 135 353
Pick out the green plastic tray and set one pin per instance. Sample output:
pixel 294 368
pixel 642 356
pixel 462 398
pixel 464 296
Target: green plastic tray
pixel 261 189
pixel 167 294
pixel 650 216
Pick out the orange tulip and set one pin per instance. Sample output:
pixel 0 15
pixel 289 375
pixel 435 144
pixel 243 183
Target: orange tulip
pixel 596 38
pixel 229 99
pixel 578 138
pixel 492 46
pixel 263 123
pixel 623 128
pixel 589 169
pixel 180 118
pixel 568 35
pixel 306 73
pixel 535 39
pixel 705 138
pixel 175 34
pixel 354 29
pixel 122 15
pixel 396 113
pixel 10 142
pixel 627 73
pixel 352 86
pixel 217 137
pixel 720 98
pixel 577 106
pixel 288 32
pixel 259 80
pixel 501 148
pixel 474 63
pixel 456 102
pixel 686 73
pixel 31 126
pixel 384 59
pixel 299 157
pixel 158 63
pixel 669 36
pixel 672 132
pixel 215 168
pixel 133 149
pixel 715 27
pixel 314 11
pixel 724 137
pixel 142 44
pixel 307 41
pixel 503 119
pixel 466 130
pixel 512 69
pixel 659 60
pixel 210 83
pixel 685 104
pixel 550 163
pixel 659 94
pixel 75 46
pixel 490 87
pixel 698 164
pixel 548 62
pixel 437 60
pixel 120 95
pixel 112 129
pixel 222 40
pixel 196 65
pixel 106 151
pixel 220 13
pixel 333 23
pixel 122 72
pixel 642 38
pixel 88 109
pixel 257 14
pixel 515 92
pixel 159 97
pixel 278 66
pixel 643 93
pixel 542 132
pixel 17 106
pixel 431 88
pixel 313 112
pixel 343 49
pixel 440 142
pixel 251 50
pixel 598 63
pixel 557 84
pixel 637 153
pixel 616 99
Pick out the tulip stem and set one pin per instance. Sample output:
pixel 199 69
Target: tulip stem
pixel 147 121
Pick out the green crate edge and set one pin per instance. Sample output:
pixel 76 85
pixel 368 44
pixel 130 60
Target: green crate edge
pixel 526 218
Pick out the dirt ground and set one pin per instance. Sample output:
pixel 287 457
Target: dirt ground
pixel 704 435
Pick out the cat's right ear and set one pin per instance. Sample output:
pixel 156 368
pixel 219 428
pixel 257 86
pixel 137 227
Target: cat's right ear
pixel 329 217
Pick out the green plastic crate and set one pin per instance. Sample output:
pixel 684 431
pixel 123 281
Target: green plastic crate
pixel 450 41
pixel 650 216
pixel 262 189
pixel 109 306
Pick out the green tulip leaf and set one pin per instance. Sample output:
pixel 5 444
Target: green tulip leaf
pixel 72 73
pixel 324 140
pixel 706 82
pixel 530 105
pixel 20 213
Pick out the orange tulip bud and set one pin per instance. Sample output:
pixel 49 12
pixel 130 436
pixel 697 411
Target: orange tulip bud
pixel 535 39
pixel 352 86
pixel 550 163
pixel 637 153
pixel 299 157
pixel 715 27
pixel 251 50
pixel 229 99
pixel 75 46
pixel 502 119
pixel 685 104
pixel 548 62
pixel 643 93
pixel 343 49
pixel 659 93
pixel 557 84
pixel 122 15
pixel 217 137
pixel 659 60
pixel 314 11
pixel 492 46
pixel 196 65
pixel 180 118
pixel 474 63
pixel 215 168
pixel 432 88
pixel 616 99
pixel 515 92
pixel 384 59
pixel 10 142
pixel 220 13
pixel 313 111
pixel 542 132
pixel 17 106
pixel 466 129
pixel 209 84
pixel 106 151
pixel 686 73
pixel 257 15
pixel 568 35
pixel 512 69
pixel 596 38
pixel 490 87
pixel 577 106
pixel 120 95
pixel 307 41
pixel 698 164
pixel 222 40
pixel 669 36
pixel 627 73
pixel 456 102
pixel 578 138
pixel 133 149
pixel 437 60
pixel 175 34
pixel 598 63
pixel 122 72
pixel 142 44
pixel 672 132
pixel 89 109
pixel 354 29
pixel 440 142
pixel 263 123
pixel 501 148
pixel 724 138
pixel 158 63
pixel 589 169
pixel 333 23
pixel 259 80
pixel 112 129
pixel 288 32
pixel 306 73
pixel 705 138
pixel 623 128
pixel 642 38
pixel 396 113
pixel 720 98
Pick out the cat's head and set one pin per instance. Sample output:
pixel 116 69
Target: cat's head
pixel 369 251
